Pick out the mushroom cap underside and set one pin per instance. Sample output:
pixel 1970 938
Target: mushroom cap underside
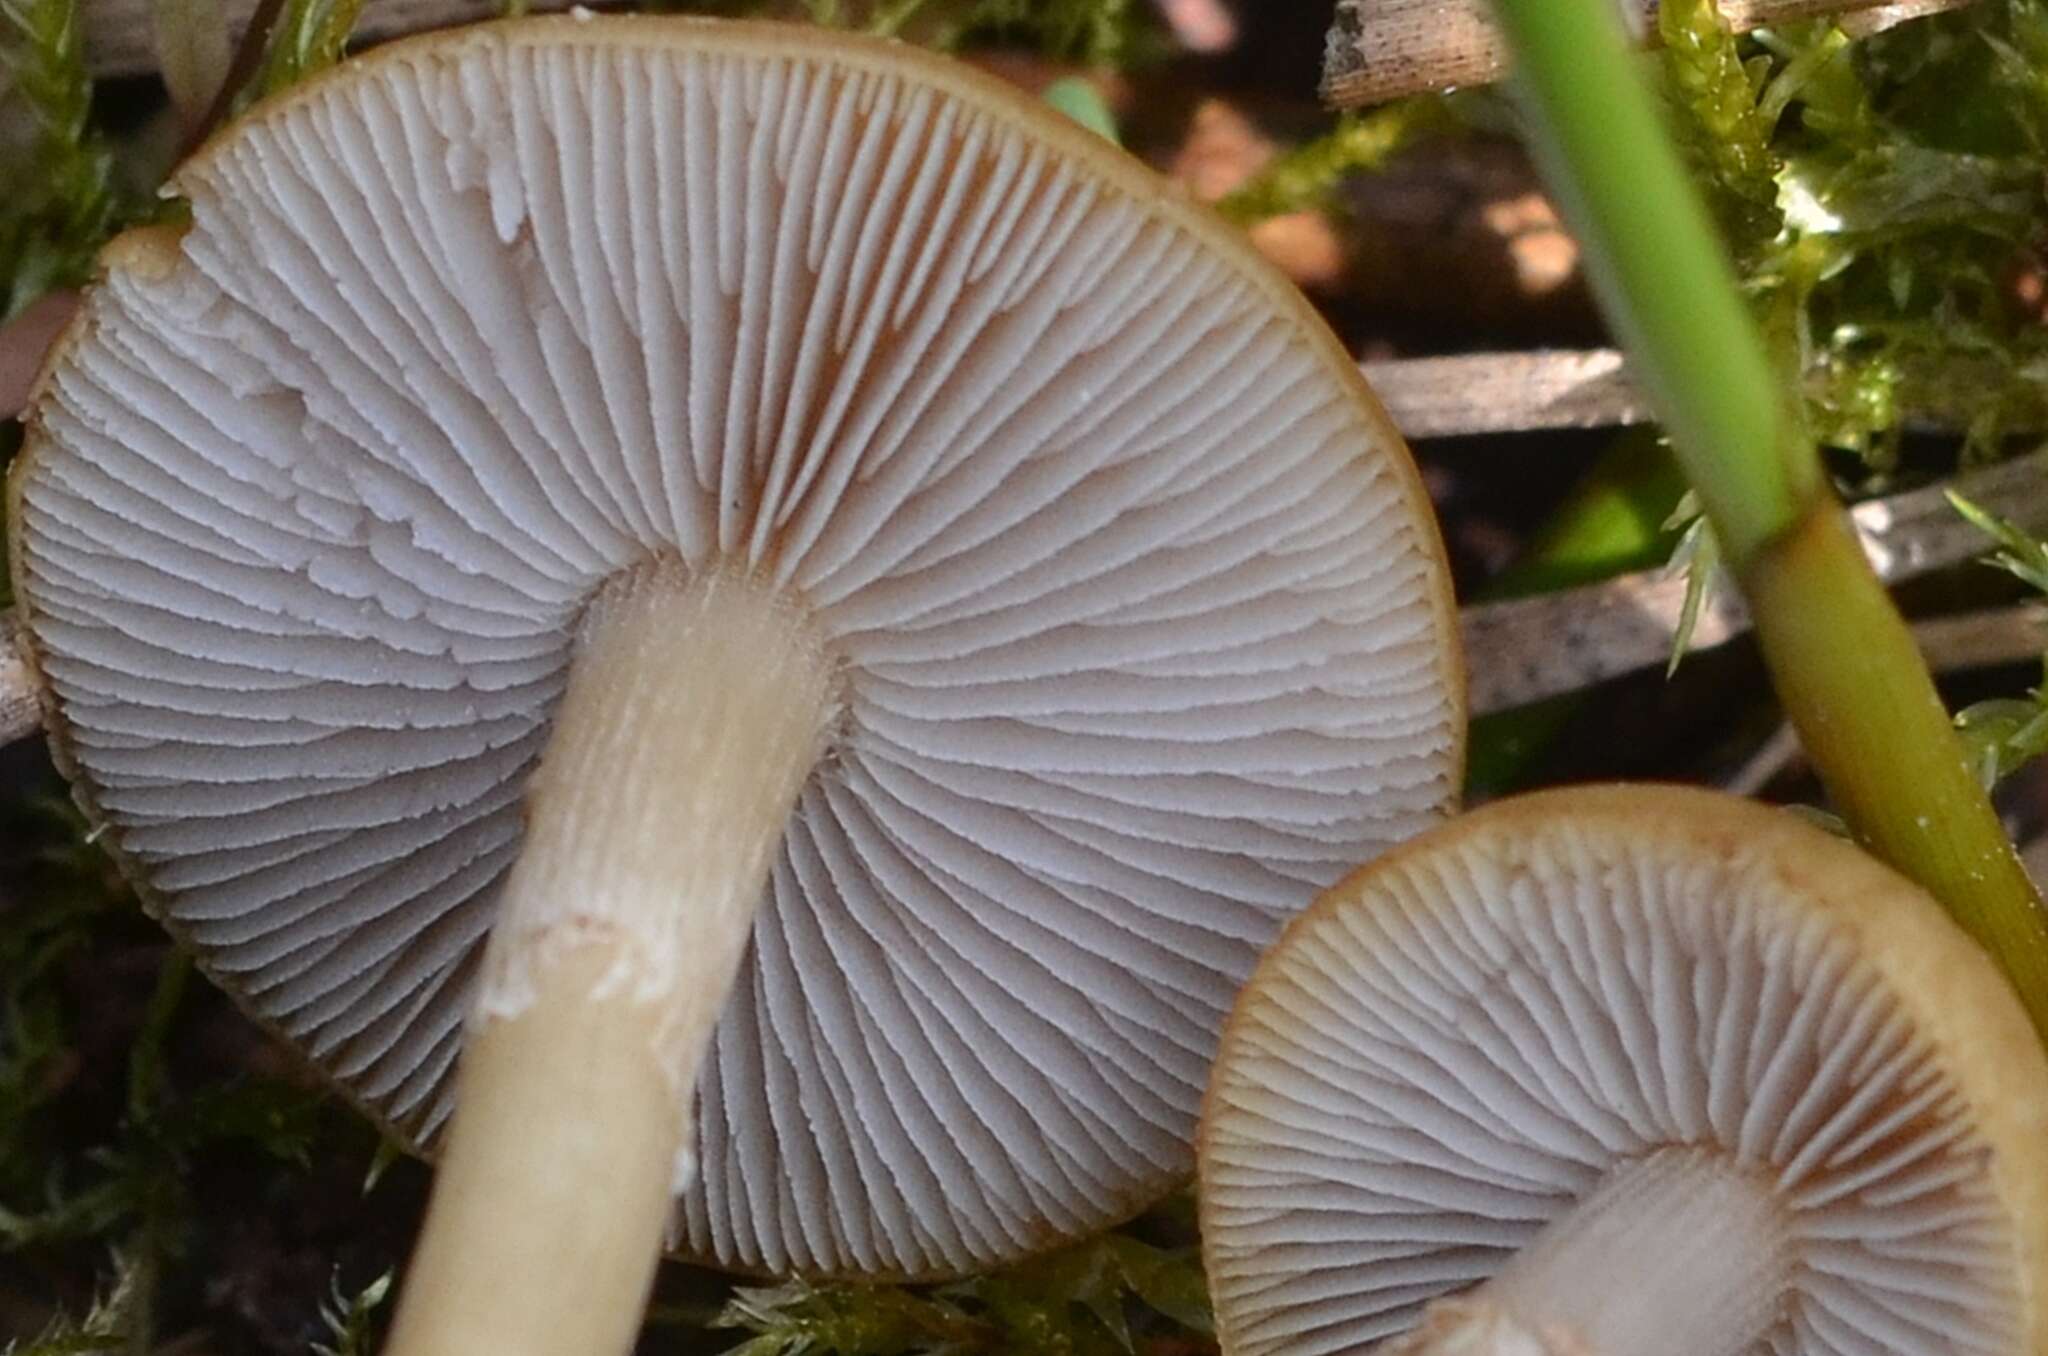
pixel 1454 1045
pixel 1143 623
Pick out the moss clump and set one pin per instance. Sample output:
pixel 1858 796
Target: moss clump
pixel 1110 1296
pixel 1884 200
pixel 58 200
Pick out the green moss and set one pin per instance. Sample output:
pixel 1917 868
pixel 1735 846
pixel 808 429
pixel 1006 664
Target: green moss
pixel 1082 102
pixel 310 36
pixel 1110 33
pixel 58 200
pixel 91 1170
pixel 1721 126
pixel 1109 1296
pixel 1305 178
pixel 1888 209
pixel 351 1319
pixel 1091 32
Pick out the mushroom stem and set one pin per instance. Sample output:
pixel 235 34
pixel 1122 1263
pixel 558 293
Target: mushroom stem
pixel 542 1235
pixel 1679 1251
pixel 695 710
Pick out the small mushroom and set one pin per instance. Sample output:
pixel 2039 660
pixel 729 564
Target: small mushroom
pixel 876 607
pixel 1657 1071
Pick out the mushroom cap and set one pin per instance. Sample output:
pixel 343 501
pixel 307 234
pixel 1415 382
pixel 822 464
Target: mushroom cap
pixel 1143 622
pixel 1455 1044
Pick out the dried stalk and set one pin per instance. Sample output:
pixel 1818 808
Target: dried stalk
pixel 1984 640
pixel 1519 392
pixel 1472 393
pixel 1970 640
pixel 1384 49
pixel 21 713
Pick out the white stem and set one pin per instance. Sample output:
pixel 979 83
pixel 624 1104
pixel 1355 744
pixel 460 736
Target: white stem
pixel 1680 1252
pixel 694 713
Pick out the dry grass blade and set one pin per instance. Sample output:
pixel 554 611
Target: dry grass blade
pixel 1508 392
pixel 1523 392
pixel 193 50
pixel 1384 49
pixel 1984 640
pixel 1970 640
pixel 246 56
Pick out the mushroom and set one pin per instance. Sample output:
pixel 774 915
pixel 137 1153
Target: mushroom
pixel 1662 1071
pixel 585 496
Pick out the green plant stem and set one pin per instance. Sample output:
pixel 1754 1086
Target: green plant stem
pixel 1843 661
pixel 1854 683
pixel 1663 278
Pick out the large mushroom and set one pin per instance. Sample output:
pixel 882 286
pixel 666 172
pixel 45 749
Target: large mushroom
pixel 623 489
pixel 1626 1071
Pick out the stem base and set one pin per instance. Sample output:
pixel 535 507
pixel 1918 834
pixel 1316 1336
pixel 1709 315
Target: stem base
pixel 480 1283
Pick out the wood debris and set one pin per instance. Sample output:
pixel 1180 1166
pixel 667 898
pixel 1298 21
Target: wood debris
pixel 1385 49
pixel 1527 391
pixel 1508 392
pixel 21 713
